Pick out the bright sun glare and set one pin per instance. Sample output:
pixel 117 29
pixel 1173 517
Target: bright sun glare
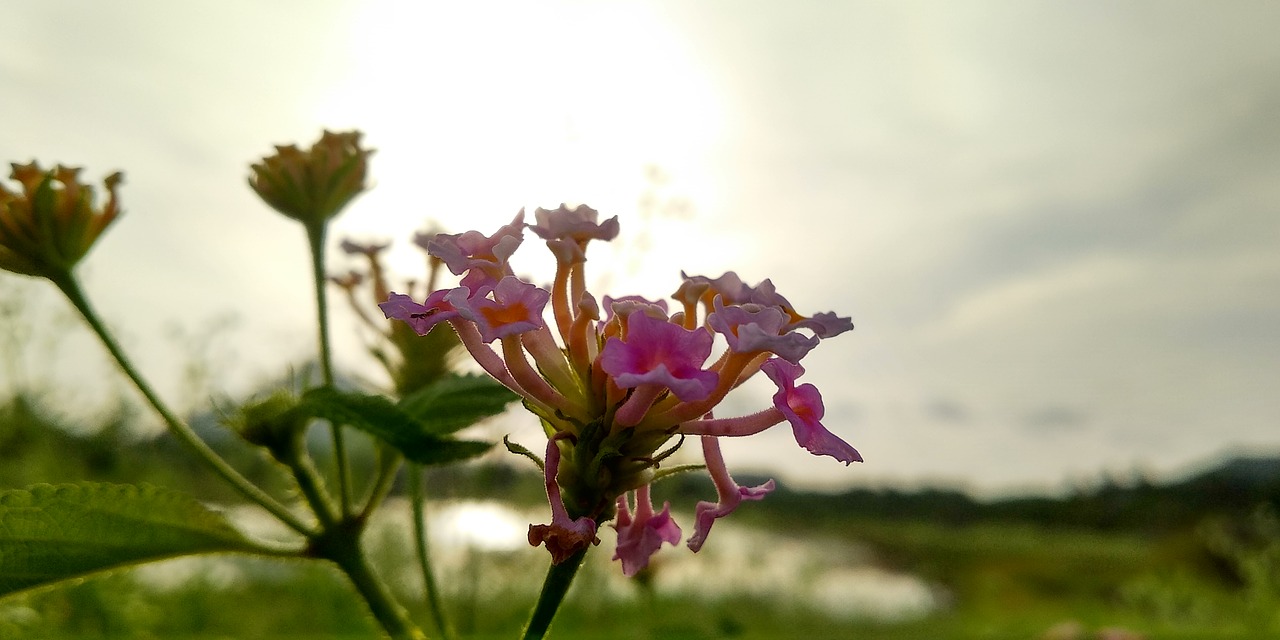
pixel 474 118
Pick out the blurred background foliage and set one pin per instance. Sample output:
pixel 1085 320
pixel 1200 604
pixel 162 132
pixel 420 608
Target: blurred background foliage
pixel 1195 557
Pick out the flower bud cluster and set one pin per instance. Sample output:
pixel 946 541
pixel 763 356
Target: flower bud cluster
pixel 48 226
pixel 619 383
pixel 312 186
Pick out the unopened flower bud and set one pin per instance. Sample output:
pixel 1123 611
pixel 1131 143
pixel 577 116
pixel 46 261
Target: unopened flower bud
pixel 271 423
pixel 312 186
pixel 47 227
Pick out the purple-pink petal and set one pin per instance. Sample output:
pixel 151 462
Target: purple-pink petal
pixel 516 307
pixel 802 407
pixel 641 537
pixel 826 324
pixel 626 305
pixel 473 252
pixel 729 494
pixel 420 317
pixel 658 352
pixel 706 513
pixel 753 328
pixel 577 224
pixel 729 286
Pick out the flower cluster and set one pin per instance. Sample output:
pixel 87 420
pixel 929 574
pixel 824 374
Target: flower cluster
pixel 614 381
pixel 312 186
pixel 48 227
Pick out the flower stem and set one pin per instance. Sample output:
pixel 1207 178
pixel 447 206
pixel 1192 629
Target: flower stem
pixel 310 482
pixel 418 498
pixel 70 287
pixel 315 238
pixel 554 588
pixel 388 465
pixel 340 544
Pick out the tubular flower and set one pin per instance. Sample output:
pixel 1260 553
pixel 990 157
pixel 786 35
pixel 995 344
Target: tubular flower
pixel 802 407
pixel 639 537
pixel 616 396
pixel 49 226
pixel 729 493
pixel 313 186
pixel 478 258
pixel 565 535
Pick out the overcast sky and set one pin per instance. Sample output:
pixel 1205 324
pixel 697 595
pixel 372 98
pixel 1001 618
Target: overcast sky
pixel 1056 225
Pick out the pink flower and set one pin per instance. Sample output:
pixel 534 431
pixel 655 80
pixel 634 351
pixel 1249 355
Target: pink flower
pixel 729 286
pixel 482 258
pixel 661 353
pixel 516 307
pixel 752 328
pixel 626 305
pixel 823 325
pixel 826 324
pixel 565 536
pixel 577 224
pixel 419 317
pixel 641 537
pixel 803 408
pixel 729 493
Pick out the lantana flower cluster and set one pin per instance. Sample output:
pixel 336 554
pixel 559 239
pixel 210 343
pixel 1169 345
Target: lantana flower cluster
pixel 620 383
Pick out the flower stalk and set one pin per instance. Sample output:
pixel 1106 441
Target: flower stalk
pixel 68 284
pixel 417 496
pixel 554 588
pixel 316 232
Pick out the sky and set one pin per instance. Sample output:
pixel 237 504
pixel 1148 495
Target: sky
pixel 1053 223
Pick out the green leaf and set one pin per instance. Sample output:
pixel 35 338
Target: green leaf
pixel 50 533
pixel 458 401
pixel 379 417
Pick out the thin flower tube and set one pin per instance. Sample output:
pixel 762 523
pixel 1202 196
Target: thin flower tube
pixel 618 386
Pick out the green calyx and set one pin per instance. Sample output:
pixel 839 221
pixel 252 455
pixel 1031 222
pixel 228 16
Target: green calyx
pixel 273 423
pixel 602 464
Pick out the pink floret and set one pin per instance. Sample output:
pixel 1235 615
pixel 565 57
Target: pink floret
pixel 641 537
pixel 659 352
pixel 577 224
pixel 420 317
pixel 802 407
pixel 482 258
pixel 516 307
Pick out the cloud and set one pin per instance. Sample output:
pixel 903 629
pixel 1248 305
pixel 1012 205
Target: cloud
pixel 1055 418
pixel 947 411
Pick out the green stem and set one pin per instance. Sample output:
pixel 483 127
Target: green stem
pixel 341 545
pixel 388 464
pixel 554 588
pixel 71 288
pixel 315 238
pixel 418 498
pixel 310 482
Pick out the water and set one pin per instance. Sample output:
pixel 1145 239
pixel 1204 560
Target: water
pixel 480 550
